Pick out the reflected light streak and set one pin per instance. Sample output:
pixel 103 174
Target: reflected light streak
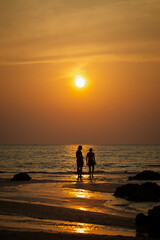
pixel 82 208
pixel 80 193
pixel 80 230
pixel 29 223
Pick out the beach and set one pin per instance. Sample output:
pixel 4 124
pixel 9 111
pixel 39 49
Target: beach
pixel 55 204
pixel 66 209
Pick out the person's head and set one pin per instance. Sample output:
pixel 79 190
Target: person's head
pixel 90 149
pixel 79 147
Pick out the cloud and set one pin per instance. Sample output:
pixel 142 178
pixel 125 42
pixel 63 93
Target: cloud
pixel 44 31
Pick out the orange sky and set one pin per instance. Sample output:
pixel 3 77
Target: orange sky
pixel 113 44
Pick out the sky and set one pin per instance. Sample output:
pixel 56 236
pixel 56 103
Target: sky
pixel 113 44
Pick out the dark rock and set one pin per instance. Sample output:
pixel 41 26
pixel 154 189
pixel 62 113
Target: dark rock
pixel 147 192
pixel 151 223
pixel 146 175
pixel 141 219
pixel 125 190
pixel 21 177
pixel 154 217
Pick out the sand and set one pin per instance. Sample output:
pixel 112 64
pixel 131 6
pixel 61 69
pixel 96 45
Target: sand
pixel 28 219
pixel 15 235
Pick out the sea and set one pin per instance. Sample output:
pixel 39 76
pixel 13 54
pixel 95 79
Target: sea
pixel 114 164
pixel 55 182
pixel 112 161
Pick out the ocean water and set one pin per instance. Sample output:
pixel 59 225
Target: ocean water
pixel 114 164
pixel 111 160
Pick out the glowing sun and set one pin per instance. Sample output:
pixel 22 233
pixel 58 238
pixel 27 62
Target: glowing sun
pixel 80 81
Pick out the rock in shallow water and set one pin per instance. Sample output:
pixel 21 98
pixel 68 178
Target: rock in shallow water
pixel 151 223
pixel 21 177
pixel 146 175
pixel 147 192
pixel 141 219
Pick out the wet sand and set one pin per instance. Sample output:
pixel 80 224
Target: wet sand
pixel 17 235
pixel 61 219
pixel 61 213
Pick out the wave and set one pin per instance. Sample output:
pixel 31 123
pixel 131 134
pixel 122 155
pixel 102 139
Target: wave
pixel 99 172
pixel 44 172
pixel 63 173
pixel 153 165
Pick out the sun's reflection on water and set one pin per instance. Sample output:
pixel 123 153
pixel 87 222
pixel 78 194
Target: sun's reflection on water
pixel 82 209
pixel 28 223
pixel 81 193
pixel 80 230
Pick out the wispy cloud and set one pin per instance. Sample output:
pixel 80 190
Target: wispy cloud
pixel 44 31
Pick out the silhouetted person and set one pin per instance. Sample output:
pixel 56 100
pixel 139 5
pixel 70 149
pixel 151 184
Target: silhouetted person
pixel 90 161
pixel 79 161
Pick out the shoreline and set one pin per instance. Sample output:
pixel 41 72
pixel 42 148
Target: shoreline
pixel 62 213
pixel 17 235
pixel 68 221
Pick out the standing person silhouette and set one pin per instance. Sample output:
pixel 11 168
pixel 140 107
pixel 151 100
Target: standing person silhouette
pixel 79 161
pixel 90 161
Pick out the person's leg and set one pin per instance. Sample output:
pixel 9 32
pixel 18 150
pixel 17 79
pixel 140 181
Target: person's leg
pixel 89 171
pixel 92 170
pixel 78 171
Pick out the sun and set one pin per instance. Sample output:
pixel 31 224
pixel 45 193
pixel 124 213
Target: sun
pixel 80 81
